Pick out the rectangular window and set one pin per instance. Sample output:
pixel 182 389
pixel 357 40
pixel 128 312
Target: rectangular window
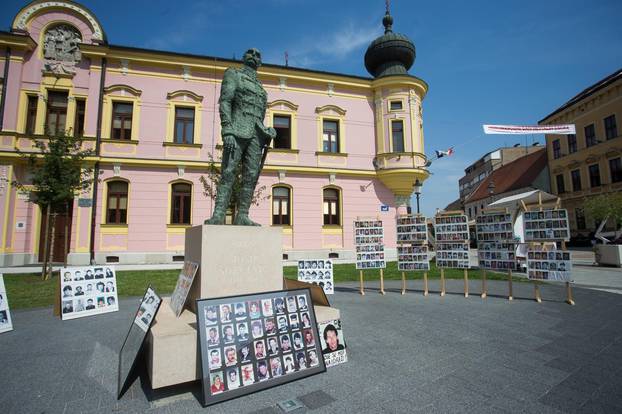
pixel 594 171
pixel 611 128
pixel 395 105
pixel 557 152
pixel 397 134
pixel 280 206
pixel 560 184
pixel 78 123
pixel 122 120
pixel 117 203
pixel 572 143
pixel 330 136
pixel 56 116
pixel 181 199
pixel 615 166
pixel 580 218
pixel 31 114
pixel 331 207
pixel 282 125
pixel 590 135
pixel 184 125
pixel 575 176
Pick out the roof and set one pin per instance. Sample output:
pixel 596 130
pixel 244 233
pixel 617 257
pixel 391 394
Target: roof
pixel 454 205
pixel 587 92
pixel 518 174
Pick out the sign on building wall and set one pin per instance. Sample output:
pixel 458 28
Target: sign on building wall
pixel 452 241
pixel 88 290
pixel 333 343
pixel 253 342
pixel 319 272
pixel 6 324
pixel 184 282
pixel 369 243
pixel 551 265
pixel 546 225
pixel 496 243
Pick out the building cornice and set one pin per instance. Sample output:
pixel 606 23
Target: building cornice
pixel 17 41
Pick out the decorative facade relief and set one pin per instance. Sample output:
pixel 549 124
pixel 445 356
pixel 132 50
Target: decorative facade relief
pixel 60 50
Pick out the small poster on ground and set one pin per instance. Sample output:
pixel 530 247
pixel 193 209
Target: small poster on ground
pixel 412 229
pixel 128 355
pixel 369 243
pixel 496 242
pixel 412 258
pixel 184 282
pixel 333 343
pixel 88 290
pixel 319 272
pixel 6 324
pixel 550 265
pixel 546 225
pixel 253 342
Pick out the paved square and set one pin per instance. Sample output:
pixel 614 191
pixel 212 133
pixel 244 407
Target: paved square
pixel 406 354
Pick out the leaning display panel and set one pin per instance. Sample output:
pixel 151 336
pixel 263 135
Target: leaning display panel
pixel 6 324
pixel 319 272
pixel 254 342
pixel 136 335
pixel 88 290
pixel 184 283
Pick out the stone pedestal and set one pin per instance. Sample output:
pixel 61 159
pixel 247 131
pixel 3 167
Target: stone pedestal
pixel 233 260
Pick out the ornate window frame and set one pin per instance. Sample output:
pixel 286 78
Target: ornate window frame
pixel 121 93
pixel 186 99
pixel 331 113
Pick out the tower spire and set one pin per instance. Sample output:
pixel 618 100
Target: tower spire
pixel 387 20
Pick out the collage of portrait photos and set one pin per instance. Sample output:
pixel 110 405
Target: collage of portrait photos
pixel 452 255
pixel 496 242
pixel 319 272
pixel 6 324
pixel 451 228
pixel 412 229
pixel 546 225
pixel 369 243
pixel 184 282
pixel 256 341
pixel 147 309
pixel 554 265
pixel 88 290
pixel 333 343
pixel 412 257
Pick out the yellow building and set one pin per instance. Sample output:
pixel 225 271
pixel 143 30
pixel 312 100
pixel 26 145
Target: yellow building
pixel 589 162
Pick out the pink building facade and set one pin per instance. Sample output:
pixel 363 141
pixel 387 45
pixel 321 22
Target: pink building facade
pixel 348 146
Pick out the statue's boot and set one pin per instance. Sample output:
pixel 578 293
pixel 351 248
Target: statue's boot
pixel 222 201
pixel 242 219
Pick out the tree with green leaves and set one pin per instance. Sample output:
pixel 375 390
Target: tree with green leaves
pixel 606 207
pixel 58 171
pixel 212 178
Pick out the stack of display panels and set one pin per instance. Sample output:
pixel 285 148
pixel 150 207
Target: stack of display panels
pixel 452 241
pixel 369 243
pixel 412 249
pixel 495 241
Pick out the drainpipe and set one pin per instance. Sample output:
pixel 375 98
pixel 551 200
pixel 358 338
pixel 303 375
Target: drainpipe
pixel 7 62
pixel 98 135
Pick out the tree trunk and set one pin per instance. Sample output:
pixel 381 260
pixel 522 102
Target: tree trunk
pixel 44 269
pixel 66 251
pixel 51 252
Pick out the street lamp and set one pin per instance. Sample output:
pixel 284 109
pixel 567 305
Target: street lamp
pixel 417 189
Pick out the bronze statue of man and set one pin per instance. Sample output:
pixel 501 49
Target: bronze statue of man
pixel 245 138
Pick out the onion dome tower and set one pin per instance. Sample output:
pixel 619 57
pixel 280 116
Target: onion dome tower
pixel 398 96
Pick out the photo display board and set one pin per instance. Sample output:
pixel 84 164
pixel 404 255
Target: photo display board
pixel 369 243
pixel 88 290
pixel 184 282
pixel 552 265
pixel 412 229
pixel 319 272
pixel 412 237
pixel 413 257
pixel 333 343
pixel 452 241
pixel 147 310
pixel 254 342
pixel 496 243
pixel 6 323
pixel 546 225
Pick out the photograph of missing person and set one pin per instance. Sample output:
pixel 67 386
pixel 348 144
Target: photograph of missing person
pixel 251 350
pixel 319 272
pixel 333 343
pixel 87 295
pixel 184 282
pixel 369 244
pixel 147 310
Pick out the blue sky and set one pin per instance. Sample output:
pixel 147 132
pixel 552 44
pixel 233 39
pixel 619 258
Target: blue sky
pixel 485 61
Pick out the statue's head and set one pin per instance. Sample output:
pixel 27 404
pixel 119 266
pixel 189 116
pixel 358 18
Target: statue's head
pixel 252 58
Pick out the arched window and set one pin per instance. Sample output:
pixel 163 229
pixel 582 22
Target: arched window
pixel 281 206
pixel 331 206
pixel 116 208
pixel 181 203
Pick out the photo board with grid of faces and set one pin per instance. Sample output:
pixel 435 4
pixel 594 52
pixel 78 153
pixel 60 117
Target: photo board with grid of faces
pixel 496 243
pixel 254 342
pixel 88 290
pixel 184 282
pixel 546 225
pixel 452 241
pixel 369 244
pixel 412 238
pixel 551 265
pixel 412 229
pixel 319 272
pixel 6 323
pixel 412 257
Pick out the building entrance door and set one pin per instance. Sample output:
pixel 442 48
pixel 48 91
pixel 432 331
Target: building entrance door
pixel 58 255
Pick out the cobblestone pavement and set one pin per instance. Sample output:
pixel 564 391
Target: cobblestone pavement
pixel 406 354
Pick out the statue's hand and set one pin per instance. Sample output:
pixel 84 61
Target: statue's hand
pixel 228 142
pixel 271 132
